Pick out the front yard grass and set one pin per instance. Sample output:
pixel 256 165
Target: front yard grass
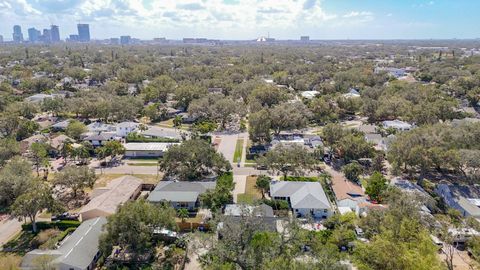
pixel 237 156
pixel 104 179
pixel 251 194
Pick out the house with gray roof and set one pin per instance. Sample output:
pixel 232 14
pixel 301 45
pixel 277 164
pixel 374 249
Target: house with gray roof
pixel 460 198
pixel 61 126
pixel 78 251
pixel 304 198
pixel 100 127
pixel 100 138
pixel 397 124
pixel 180 194
pixel 161 132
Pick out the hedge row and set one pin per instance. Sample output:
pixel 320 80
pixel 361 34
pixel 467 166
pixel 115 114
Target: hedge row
pixel 61 225
pixel 301 178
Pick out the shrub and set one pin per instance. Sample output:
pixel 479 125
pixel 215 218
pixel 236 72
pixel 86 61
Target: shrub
pixel 135 137
pixel 301 178
pixel 61 225
pixel 277 204
pixel 44 239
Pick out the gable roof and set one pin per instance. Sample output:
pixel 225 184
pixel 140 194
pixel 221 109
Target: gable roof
pixel 77 251
pixel 115 193
pixel 179 191
pixel 302 194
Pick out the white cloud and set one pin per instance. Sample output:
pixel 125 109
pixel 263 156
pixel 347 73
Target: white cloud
pixel 357 14
pixel 146 19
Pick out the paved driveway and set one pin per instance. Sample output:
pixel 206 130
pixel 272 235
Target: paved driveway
pixel 227 146
pixel 8 229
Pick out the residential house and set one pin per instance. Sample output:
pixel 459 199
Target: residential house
pixel 397 124
pixel 456 197
pixel 105 201
pixel 26 143
pixel 61 126
pixel 304 198
pixel 37 98
pixel 180 194
pixel 159 132
pixel 124 128
pixel 146 150
pixel 352 93
pixel 99 139
pixel 347 193
pixel 57 142
pixel 215 90
pixel 394 72
pixel 309 94
pixel 79 251
pixel 97 127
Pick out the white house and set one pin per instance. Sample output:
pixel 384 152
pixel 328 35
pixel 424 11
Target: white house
pixel 305 198
pixel 180 194
pixel 124 128
pixel 99 139
pixel 154 149
pixel 309 94
pixel 397 124
pixel 79 251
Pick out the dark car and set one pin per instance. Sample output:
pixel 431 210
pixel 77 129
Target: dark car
pixel 65 216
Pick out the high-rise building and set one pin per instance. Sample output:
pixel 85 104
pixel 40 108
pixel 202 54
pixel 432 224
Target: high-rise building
pixel 305 38
pixel 33 34
pixel 17 34
pixel 55 33
pixel 114 41
pixel 47 36
pixel 1 39
pixel 83 32
pixel 125 40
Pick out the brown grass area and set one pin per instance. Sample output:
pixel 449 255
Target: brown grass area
pixel 104 179
pixel 250 187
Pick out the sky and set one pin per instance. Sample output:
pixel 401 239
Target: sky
pixel 248 19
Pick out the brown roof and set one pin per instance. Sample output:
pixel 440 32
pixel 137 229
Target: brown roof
pixel 343 188
pixel 115 193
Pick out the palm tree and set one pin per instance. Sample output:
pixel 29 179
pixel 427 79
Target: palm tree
pixel 66 150
pixel 183 214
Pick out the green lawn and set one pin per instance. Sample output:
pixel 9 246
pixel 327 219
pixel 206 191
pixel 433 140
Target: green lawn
pixel 142 163
pixel 251 193
pixel 237 156
pixel 245 198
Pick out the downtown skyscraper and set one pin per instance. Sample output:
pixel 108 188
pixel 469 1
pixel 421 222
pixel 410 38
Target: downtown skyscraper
pixel 83 32
pixel 17 34
pixel 54 33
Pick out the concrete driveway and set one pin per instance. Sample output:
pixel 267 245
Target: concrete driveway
pixel 227 146
pixel 8 229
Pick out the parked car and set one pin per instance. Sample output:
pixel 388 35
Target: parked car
pixel 65 216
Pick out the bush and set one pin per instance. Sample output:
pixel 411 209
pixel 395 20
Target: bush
pixel 44 239
pixel 276 204
pixel 45 225
pixel 301 178
pixel 135 137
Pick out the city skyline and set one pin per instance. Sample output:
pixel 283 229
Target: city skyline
pixel 249 19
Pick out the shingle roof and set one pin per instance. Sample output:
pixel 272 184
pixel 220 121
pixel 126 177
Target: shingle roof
pixel 179 191
pixel 118 191
pixel 77 251
pixel 302 194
